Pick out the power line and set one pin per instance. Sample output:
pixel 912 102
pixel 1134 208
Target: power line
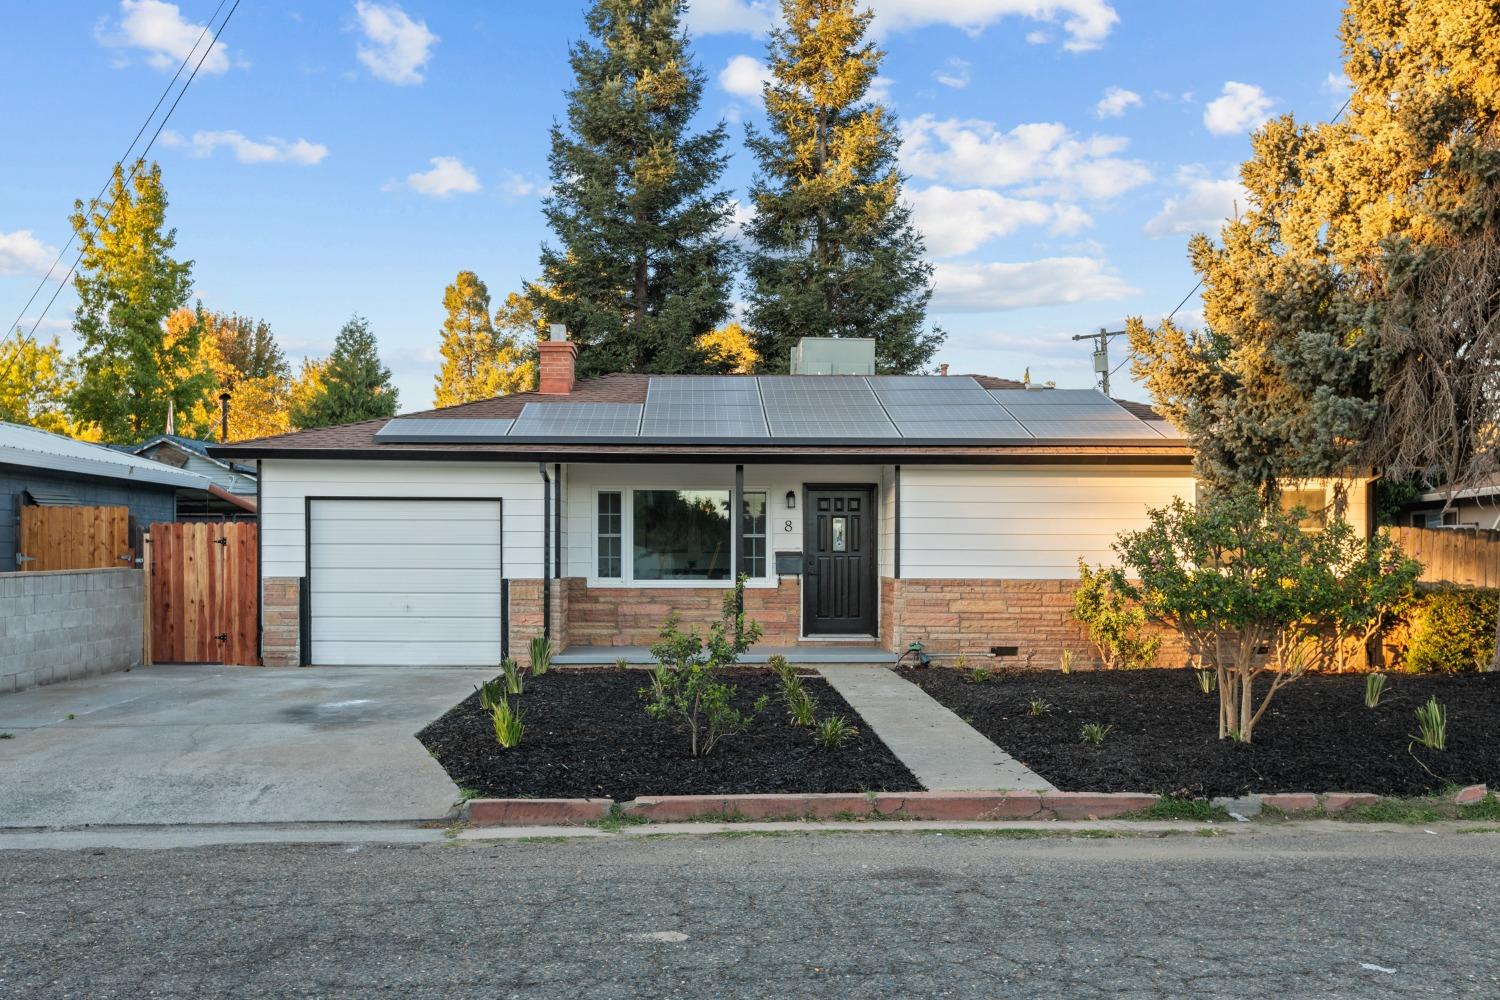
pixel 29 336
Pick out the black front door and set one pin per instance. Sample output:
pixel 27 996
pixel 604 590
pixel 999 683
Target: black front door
pixel 839 591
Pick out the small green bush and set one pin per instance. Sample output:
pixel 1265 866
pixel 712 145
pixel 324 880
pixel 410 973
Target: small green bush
pixel 1116 625
pixel 541 656
pixel 834 732
pixel 1452 630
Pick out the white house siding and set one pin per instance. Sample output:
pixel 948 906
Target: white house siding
pixel 227 479
pixel 1023 523
pixel 784 526
pixel 287 483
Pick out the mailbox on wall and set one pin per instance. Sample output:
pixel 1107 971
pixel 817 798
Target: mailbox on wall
pixel 788 564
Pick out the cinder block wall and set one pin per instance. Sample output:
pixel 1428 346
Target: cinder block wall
pixel 70 623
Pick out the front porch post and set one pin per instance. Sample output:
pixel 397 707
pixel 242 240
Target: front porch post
pixel 737 513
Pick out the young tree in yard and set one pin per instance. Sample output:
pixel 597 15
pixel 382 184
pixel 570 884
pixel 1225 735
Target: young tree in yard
pixel 833 250
pixel 642 265
pixel 356 386
pixel 479 360
pixel 730 347
pixel 1294 367
pixel 1233 576
pixel 1116 626
pixel 1377 584
pixel 35 381
pixel 128 283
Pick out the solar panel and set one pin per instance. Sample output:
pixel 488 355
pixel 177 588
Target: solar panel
pixel 1053 397
pixel 937 397
pixel 1088 429
pixel 575 420
pixel 939 430
pixel 700 406
pixel 441 430
pixel 824 406
pixel 1068 411
pixel 1166 429
pixel 925 383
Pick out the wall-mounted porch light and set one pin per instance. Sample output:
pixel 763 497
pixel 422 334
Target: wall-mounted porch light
pixel 791 499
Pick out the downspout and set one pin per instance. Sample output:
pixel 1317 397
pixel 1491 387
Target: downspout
pixel 557 499
pixel 541 467
pixel 896 529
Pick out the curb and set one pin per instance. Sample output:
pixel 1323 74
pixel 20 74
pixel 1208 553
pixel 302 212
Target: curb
pixel 535 812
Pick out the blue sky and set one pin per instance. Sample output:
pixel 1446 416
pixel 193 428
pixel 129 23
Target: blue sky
pixel 346 156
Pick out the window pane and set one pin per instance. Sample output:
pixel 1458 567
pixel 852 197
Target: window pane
pixel 609 557
pixel 609 535
pixel 1311 501
pixel 755 513
pixel 755 557
pixel 681 535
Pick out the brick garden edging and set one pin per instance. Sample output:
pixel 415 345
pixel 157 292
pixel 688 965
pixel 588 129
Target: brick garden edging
pixel 951 806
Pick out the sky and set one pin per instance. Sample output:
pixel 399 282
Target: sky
pixel 351 156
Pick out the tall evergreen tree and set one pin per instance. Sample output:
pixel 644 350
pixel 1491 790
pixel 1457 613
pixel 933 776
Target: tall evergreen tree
pixel 834 252
pixel 479 360
pixel 128 283
pixel 355 385
pixel 642 265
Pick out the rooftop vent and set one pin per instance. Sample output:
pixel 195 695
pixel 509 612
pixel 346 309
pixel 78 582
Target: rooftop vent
pixel 834 356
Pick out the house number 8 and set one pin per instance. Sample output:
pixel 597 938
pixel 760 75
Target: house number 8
pixel 786 525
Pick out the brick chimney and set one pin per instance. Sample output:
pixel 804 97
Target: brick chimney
pixel 558 355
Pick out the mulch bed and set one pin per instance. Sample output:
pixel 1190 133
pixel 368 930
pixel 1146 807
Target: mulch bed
pixel 588 735
pixel 1317 735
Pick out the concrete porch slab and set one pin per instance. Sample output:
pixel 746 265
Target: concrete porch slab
pixel 810 655
pixel 942 750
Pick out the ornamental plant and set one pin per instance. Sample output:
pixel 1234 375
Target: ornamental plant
pixel 687 686
pixel 1236 576
pixel 1451 630
pixel 1116 626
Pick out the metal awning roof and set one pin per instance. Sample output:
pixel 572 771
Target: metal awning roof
pixel 29 447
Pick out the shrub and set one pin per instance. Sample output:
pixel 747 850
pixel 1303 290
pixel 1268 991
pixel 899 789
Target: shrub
pixel 1432 725
pixel 507 720
pixel 834 731
pixel 685 685
pixel 541 655
pixel 1036 707
pixel 1116 626
pixel 801 707
pixel 1452 630
pixel 491 693
pixel 1374 688
pixel 784 671
pixel 1093 733
pixel 515 680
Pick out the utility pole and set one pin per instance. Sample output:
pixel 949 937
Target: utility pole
pixel 1101 353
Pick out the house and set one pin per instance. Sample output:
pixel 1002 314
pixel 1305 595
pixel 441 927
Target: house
pixel 867 512
pixel 44 469
pixel 1476 506
pixel 237 479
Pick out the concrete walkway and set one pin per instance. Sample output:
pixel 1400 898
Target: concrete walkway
pixel 942 750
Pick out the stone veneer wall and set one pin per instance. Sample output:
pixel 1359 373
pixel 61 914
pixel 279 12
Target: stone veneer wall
pixel 632 616
pixel 59 625
pixel 281 622
pixel 952 617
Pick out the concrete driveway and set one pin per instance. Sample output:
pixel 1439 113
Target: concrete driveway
pixel 206 744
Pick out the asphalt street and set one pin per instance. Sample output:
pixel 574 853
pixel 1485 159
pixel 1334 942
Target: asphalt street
pixel 1280 914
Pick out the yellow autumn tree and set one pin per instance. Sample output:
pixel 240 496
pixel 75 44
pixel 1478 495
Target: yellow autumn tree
pixel 482 357
pixel 305 390
pixel 35 380
pixel 1285 378
pixel 729 346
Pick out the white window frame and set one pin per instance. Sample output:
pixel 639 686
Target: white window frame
pixel 627 533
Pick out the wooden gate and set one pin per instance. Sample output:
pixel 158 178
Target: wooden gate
pixel 74 538
pixel 203 593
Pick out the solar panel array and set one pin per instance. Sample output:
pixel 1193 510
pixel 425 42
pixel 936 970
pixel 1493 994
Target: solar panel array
pixel 841 408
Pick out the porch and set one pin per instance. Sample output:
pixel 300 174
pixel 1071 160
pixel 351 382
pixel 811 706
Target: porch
pixel 808 654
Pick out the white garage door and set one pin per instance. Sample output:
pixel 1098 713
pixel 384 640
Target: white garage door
pixel 405 582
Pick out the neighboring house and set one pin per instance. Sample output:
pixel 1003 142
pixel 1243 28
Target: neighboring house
pixel 1476 506
pixel 234 478
pixel 865 511
pixel 37 467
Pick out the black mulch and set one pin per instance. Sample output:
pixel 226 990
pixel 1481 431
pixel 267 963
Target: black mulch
pixel 588 735
pixel 1317 735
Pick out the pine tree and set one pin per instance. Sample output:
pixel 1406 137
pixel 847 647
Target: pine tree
pixel 834 252
pixel 479 360
pixel 128 283
pixel 642 264
pixel 1289 375
pixel 356 386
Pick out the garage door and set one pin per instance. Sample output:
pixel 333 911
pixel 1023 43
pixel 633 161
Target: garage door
pixel 404 582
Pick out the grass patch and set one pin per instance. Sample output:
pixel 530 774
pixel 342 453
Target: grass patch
pixel 1409 811
pixel 1479 829
pixel 618 818
pixel 1190 810
pixel 1486 808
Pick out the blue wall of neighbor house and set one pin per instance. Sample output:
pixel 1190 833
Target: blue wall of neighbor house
pixel 148 502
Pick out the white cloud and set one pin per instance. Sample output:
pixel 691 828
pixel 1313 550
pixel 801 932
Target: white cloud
pixel 516 185
pixel 1337 84
pixel 168 39
pixel 1115 101
pixel 739 220
pixel 743 76
pixel 246 150
pixel 1043 158
pixel 21 253
pixel 398 47
pixel 1238 109
pixel 1202 206
pixel 880 91
pixel 447 176
pixel 1046 282
pixel 955 73
pixel 1086 23
pixel 955 222
pixel 710 17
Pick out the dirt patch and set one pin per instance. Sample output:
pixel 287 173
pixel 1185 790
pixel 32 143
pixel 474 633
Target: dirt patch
pixel 1316 736
pixel 588 735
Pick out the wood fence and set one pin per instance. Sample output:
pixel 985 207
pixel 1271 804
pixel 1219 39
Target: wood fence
pixel 202 593
pixel 1467 557
pixel 55 538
